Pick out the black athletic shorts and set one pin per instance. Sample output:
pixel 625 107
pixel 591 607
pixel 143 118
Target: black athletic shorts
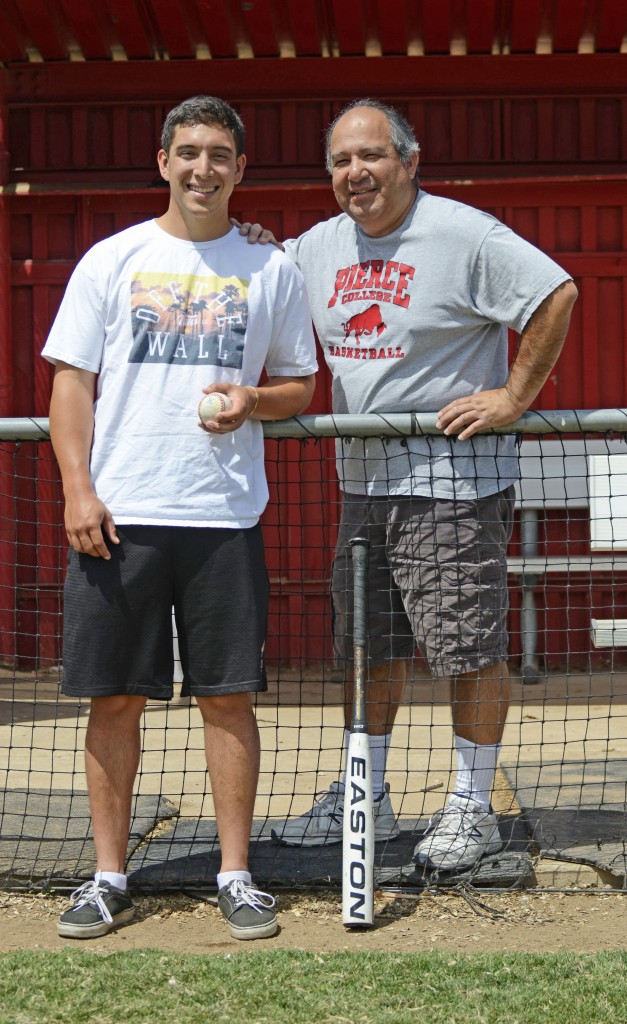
pixel 117 636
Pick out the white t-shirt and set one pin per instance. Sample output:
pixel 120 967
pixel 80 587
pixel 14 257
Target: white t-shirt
pixel 410 321
pixel 159 318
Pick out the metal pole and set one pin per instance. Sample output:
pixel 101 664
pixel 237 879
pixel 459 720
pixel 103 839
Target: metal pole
pixel 530 671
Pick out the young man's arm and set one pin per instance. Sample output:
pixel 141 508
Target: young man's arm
pixel 540 345
pixel 277 399
pixel 71 430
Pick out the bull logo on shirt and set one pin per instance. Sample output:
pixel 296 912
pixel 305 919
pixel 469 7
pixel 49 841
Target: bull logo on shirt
pixel 365 323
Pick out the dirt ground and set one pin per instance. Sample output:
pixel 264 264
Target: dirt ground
pixel 568 719
pixel 583 921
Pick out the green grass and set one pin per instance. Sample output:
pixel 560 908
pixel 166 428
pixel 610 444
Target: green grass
pixel 150 987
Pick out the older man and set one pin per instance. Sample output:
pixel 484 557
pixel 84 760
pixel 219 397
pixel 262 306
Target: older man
pixel 411 296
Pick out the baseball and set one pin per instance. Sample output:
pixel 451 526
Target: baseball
pixel 213 403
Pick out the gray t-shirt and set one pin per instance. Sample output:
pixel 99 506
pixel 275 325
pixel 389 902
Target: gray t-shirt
pixel 412 320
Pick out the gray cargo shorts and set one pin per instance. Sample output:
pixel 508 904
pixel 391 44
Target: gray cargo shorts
pixel 437 579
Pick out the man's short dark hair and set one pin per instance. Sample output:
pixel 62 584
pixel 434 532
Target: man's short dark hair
pixel 208 110
pixel 402 134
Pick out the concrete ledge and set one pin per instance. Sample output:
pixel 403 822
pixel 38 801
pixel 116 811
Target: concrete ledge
pixel 561 874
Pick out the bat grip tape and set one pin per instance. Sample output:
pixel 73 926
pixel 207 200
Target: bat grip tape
pixel 359 551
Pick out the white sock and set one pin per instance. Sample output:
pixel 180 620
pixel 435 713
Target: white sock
pixel 226 877
pixel 379 747
pixel 347 737
pixel 476 767
pixel 113 878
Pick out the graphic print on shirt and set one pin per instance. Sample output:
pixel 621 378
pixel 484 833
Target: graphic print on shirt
pixel 377 282
pixel 365 323
pixel 188 320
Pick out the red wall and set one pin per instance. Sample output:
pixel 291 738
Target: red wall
pixel 582 223
pixel 540 142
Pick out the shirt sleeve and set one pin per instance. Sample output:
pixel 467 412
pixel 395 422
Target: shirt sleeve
pixel 291 246
pixel 77 335
pixel 511 278
pixel 292 350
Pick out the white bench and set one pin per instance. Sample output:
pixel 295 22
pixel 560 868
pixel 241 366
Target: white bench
pixel 608 530
pixel 570 474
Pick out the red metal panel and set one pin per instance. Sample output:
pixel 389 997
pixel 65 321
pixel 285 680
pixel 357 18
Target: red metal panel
pixel 611 357
pixel 591 372
pixel 22 329
pixel 436 26
pixel 333 80
pixel 91 28
pixel 310 126
pixel 610 229
pixel 137 131
pixel 460 14
pixel 623 330
pixel 13 38
pixel 459 134
pixel 43 26
pixel 480 28
pixel 579 222
pixel 570 18
pixel 260 20
pixel 19 155
pixel 37 554
pixel 195 30
pixel 179 26
pixel 219 29
pixel 566 145
pixel 268 134
pixel 520 131
pixel 610 117
pixel 102 140
pixel 611 25
pixel 477 136
pixel 8 540
pixel 372 29
pixel 133 32
pixel 436 142
pixel 171 29
pixel 484 128
pixel 392 27
pixel 305 20
pixel 348 21
pixel 525 23
pixel 6 365
pixel 6 353
pixel 58 139
pixel 25 554
pixel 545 131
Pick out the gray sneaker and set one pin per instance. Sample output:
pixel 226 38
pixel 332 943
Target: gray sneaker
pixel 322 825
pixel 248 912
pixel 98 907
pixel 458 836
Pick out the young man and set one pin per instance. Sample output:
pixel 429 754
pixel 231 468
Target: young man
pixel 411 297
pixel 161 511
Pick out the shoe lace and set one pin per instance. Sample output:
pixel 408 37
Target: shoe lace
pixel 448 821
pixel 330 799
pixel 244 894
pixel 91 893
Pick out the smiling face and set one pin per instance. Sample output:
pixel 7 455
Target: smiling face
pixel 370 183
pixel 202 169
